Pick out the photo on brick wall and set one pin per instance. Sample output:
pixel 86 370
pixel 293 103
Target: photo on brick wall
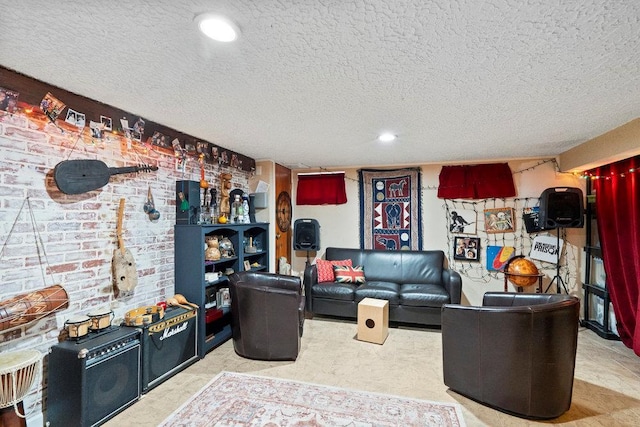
pixel 8 100
pixel 75 118
pixel 52 106
pixel 107 122
pixel 97 129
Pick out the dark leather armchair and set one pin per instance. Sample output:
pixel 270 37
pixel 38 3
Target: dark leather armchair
pixel 267 315
pixel 516 353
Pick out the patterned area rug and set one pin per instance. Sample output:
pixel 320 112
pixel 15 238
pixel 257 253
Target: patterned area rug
pixel 233 399
pixel 390 206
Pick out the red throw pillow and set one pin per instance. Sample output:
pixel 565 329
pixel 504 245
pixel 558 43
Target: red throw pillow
pixel 325 269
pixel 347 274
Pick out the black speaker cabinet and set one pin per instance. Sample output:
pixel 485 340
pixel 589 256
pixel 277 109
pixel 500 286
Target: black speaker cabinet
pixel 561 207
pixel 306 235
pixel 191 193
pixel 168 346
pixel 94 378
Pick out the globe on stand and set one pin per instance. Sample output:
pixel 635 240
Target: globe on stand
pixel 521 272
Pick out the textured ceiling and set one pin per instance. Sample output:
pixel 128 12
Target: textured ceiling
pixel 313 82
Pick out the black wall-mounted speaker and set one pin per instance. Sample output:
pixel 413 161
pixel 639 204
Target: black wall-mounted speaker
pixel 306 235
pixel 92 379
pixel 561 207
pixel 191 192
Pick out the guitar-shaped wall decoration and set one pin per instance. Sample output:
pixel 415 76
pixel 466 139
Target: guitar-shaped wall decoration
pixel 80 176
pixel 123 265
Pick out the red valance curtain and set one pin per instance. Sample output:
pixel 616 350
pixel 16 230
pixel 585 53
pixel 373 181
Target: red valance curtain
pixel 618 219
pixel 476 182
pixel 321 189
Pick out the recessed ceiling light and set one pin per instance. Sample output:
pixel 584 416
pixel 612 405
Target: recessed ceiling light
pixel 217 27
pixel 386 137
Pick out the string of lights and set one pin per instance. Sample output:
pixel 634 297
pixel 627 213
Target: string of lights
pixel 591 175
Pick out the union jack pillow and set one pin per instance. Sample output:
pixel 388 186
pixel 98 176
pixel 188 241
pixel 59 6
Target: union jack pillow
pixel 348 274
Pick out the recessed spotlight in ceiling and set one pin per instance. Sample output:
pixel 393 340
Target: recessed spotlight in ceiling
pixel 217 27
pixel 386 137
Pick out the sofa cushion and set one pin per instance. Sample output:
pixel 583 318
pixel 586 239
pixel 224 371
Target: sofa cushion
pixel 423 295
pixel 347 274
pixel 325 269
pixel 422 267
pixel 379 290
pixel 334 290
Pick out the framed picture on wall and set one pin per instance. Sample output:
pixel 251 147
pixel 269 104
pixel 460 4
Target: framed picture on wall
pixel 466 249
pixel 462 221
pixel 499 220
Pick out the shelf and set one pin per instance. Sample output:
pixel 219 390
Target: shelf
pixel 252 254
pixel 599 329
pixel 214 340
pixel 595 251
pixel 191 267
pixel 594 271
pixel 220 261
pixel 596 290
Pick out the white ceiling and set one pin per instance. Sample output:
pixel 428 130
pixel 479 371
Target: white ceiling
pixel 312 82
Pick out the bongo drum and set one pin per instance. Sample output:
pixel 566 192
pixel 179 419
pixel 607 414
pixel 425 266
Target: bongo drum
pixel 100 319
pixel 78 326
pixel 18 371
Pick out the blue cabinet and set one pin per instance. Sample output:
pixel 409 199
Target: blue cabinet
pixel 250 249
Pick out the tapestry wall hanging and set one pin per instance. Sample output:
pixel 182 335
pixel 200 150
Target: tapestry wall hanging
pixel 390 209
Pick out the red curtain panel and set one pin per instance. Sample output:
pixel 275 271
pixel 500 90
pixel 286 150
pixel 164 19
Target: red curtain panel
pixel 476 182
pixel 321 189
pixel 618 219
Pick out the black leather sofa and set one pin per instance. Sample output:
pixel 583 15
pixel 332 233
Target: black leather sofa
pixel 416 283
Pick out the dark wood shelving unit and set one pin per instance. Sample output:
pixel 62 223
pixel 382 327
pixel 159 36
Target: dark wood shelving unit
pixel 191 266
pixel 595 282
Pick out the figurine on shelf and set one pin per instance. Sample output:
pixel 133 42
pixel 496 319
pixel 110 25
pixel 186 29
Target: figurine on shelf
pixel 213 205
pixel 205 214
pixel 213 248
pixel 225 186
pixel 245 208
pixel 236 210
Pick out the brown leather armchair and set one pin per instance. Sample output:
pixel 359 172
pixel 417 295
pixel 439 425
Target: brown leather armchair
pixel 516 353
pixel 267 315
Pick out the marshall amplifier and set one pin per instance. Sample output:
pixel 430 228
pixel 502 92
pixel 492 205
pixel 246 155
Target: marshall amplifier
pixel 168 346
pixel 93 378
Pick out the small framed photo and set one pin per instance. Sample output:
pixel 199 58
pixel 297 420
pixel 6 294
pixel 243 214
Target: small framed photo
pixel 500 220
pixel 247 265
pixel 467 249
pixel 223 297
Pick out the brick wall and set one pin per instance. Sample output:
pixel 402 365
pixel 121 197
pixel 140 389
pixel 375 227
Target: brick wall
pixel 78 232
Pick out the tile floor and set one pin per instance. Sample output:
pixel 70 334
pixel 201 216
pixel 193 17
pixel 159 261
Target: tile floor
pixel 409 363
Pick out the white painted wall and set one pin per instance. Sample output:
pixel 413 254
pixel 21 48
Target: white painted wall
pixel 339 225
